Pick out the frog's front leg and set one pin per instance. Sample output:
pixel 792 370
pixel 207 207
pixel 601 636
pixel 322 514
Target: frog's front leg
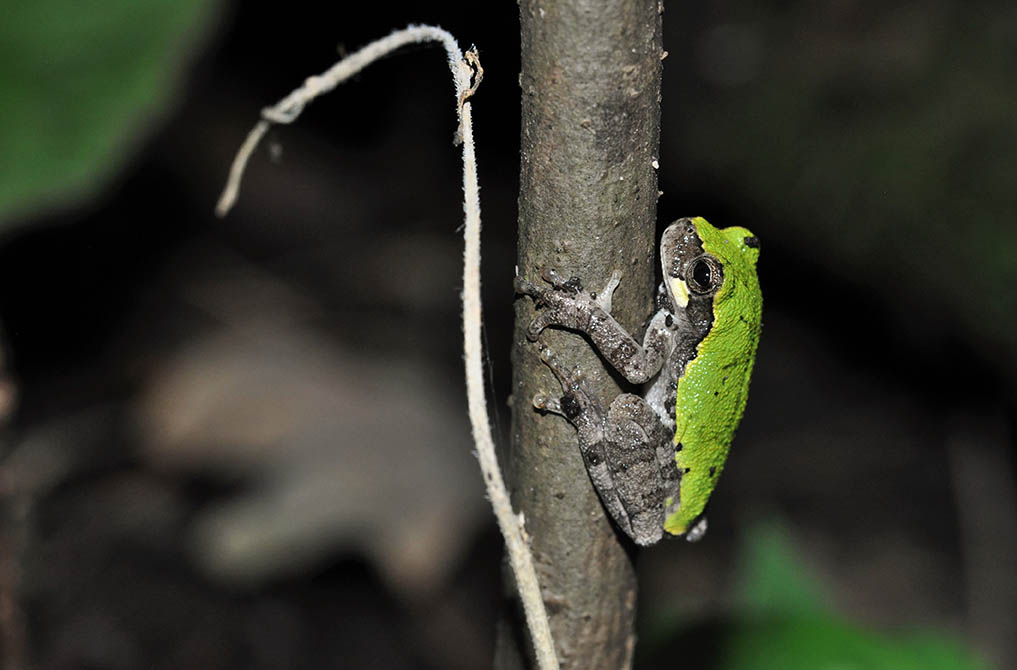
pixel 627 451
pixel 566 305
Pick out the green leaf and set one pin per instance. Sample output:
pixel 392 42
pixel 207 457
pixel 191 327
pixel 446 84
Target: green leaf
pixel 784 624
pixel 771 582
pixel 824 643
pixel 80 83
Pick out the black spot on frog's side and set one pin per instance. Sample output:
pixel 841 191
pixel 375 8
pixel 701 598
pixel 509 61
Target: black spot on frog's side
pixel 713 470
pixel 679 447
pixel 569 407
pixel 688 470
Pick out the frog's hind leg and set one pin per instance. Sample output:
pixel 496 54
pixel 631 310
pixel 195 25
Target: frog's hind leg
pixel 643 465
pixel 627 452
pixel 577 403
pixel 584 410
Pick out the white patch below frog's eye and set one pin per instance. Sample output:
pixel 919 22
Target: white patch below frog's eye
pixel 680 291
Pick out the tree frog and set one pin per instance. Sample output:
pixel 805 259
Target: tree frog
pixel 654 460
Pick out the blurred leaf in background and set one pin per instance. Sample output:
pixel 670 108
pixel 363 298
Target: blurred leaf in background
pixel 784 623
pixel 79 84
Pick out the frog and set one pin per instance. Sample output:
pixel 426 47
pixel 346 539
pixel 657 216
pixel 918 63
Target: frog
pixel 655 459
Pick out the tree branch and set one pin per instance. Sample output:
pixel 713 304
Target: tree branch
pixel 587 205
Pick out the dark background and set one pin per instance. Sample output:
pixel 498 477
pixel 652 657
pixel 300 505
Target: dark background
pixel 242 442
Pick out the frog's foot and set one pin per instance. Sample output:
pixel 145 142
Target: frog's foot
pixel 570 379
pixel 575 285
pixel 565 304
pixel 577 404
pixel 542 400
pixel 540 294
pixel 572 284
pixel 546 403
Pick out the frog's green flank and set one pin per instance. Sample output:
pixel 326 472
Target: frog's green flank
pixel 714 386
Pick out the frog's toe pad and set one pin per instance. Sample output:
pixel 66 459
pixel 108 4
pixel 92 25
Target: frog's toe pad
pixel 537 326
pixel 554 278
pixel 523 286
pixel 545 403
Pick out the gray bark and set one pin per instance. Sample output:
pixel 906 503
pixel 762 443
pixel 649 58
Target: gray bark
pixel 587 205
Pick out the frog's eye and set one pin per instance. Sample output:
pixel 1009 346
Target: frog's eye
pixel 703 275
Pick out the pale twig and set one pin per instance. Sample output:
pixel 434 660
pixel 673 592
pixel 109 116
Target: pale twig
pixel 464 69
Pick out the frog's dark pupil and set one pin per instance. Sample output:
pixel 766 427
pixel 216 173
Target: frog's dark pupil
pixel 701 274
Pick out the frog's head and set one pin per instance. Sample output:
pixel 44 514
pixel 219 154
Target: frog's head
pixel 702 265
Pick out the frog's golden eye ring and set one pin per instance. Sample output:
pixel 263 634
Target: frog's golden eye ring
pixel 703 275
